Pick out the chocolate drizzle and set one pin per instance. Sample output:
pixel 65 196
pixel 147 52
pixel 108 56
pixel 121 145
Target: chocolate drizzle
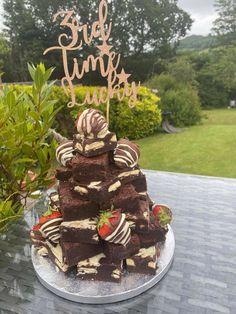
pixel 50 230
pixel 122 234
pixel 92 124
pixel 64 153
pixel 126 154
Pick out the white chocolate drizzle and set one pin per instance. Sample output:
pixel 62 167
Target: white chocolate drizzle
pixel 122 234
pixel 126 154
pixel 90 224
pixel 64 152
pixel 50 230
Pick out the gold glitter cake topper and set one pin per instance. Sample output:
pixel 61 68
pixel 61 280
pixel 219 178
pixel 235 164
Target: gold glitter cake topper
pixel 107 61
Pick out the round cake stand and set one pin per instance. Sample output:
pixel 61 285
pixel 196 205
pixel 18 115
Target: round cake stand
pixel 92 292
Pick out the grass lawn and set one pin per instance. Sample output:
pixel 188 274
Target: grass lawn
pixel 208 149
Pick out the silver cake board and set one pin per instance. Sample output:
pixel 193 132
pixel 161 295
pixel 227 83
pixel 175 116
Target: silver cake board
pixel 96 292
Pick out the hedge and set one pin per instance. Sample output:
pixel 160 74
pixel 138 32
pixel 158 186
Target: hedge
pixel 135 123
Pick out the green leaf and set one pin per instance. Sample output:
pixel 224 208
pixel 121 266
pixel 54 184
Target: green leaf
pixel 31 69
pixel 25 160
pixel 35 115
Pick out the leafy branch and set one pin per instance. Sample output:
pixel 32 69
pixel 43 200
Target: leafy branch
pixel 27 147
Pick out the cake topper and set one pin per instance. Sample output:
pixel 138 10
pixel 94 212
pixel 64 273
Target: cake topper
pixel 107 61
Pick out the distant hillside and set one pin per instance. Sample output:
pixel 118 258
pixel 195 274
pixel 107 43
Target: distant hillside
pixel 197 42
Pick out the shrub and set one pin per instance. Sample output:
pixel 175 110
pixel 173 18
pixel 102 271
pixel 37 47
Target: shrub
pixel 139 122
pixel 25 120
pixel 136 123
pixel 181 100
pixel 184 106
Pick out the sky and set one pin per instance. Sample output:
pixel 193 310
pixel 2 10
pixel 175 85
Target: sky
pixel 201 11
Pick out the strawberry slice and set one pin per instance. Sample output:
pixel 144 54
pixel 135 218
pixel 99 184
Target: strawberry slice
pixel 49 215
pixel 163 214
pixel 108 222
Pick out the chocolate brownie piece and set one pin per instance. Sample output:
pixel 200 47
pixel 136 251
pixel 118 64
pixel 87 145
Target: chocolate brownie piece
pixel 98 191
pixel 127 175
pixel 84 231
pixel 76 252
pixel 90 169
pixel 56 256
pixel 116 252
pixel 139 221
pixel 37 238
pixel 90 147
pixel 74 208
pixel 100 268
pixel 154 235
pixel 127 199
pixel 63 174
pixel 140 182
pixel 144 262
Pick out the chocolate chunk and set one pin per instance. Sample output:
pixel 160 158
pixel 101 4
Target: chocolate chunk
pixel 100 268
pixel 76 252
pixel 116 252
pixel 74 208
pixel 144 262
pixel 84 231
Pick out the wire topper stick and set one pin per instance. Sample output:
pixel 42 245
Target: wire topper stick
pixel 107 61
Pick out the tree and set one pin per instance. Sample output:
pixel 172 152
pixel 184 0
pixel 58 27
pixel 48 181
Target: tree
pixel 216 75
pixel 4 52
pixel 225 24
pixel 147 29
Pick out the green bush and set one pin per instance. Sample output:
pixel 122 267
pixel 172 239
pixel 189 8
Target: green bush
pixel 181 100
pixel 135 123
pixel 139 122
pixel 25 119
pixel 184 106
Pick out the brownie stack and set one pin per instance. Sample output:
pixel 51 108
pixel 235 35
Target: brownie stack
pixel 108 226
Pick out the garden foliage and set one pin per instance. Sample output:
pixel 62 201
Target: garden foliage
pixel 135 123
pixel 177 88
pixel 26 152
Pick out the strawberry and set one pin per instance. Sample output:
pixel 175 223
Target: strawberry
pixel 108 222
pixel 36 227
pixel 49 215
pixel 163 214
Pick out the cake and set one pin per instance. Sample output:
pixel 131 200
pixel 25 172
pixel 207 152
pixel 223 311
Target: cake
pixel 101 222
